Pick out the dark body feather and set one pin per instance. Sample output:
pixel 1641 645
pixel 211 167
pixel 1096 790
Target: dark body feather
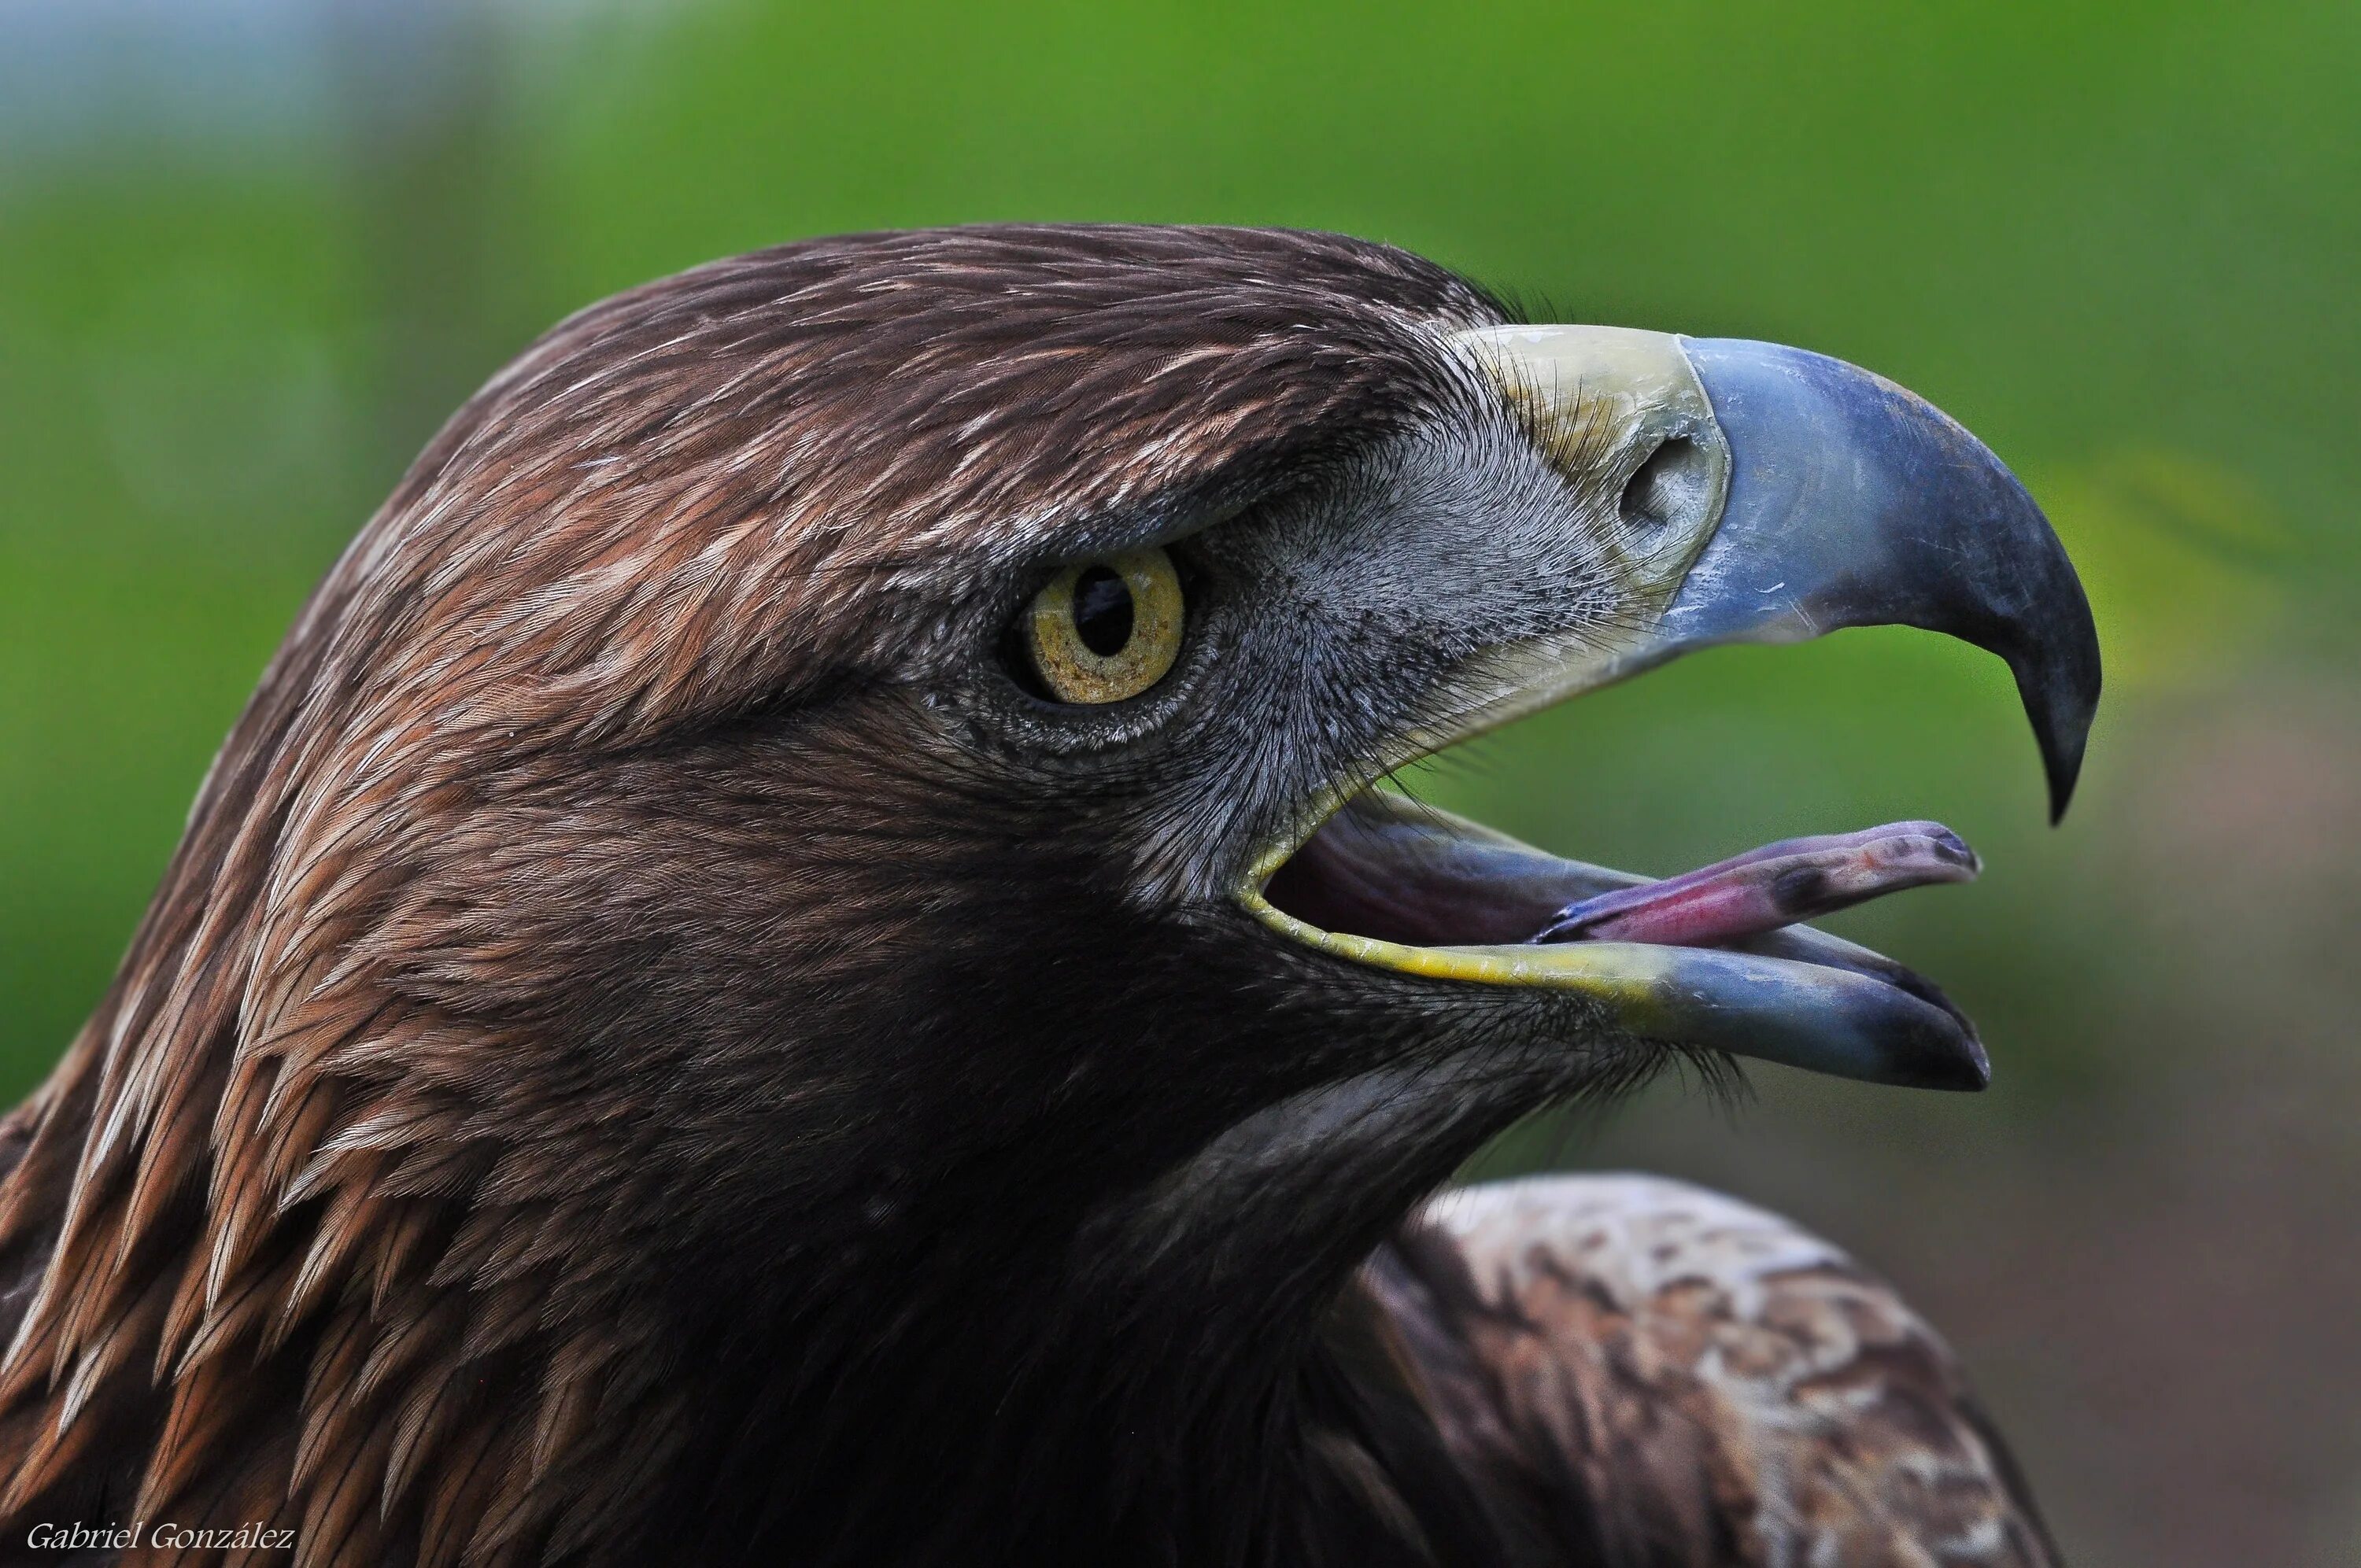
pixel 628 1065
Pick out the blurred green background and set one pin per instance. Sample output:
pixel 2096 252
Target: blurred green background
pixel 252 251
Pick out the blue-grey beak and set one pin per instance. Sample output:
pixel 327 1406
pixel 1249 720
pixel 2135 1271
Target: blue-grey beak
pixel 1853 502
pixel 1738 491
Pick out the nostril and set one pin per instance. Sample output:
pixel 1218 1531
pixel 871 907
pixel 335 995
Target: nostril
pixel 1669 487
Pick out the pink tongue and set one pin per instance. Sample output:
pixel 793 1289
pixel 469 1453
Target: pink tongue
pixel 1764 889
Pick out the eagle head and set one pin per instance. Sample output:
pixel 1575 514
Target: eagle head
pixel 802 923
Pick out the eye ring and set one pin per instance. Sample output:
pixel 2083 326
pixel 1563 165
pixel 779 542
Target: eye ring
pixel 1105 629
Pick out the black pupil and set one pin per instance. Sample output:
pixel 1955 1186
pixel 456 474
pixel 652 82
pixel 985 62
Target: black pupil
pixel 1102 612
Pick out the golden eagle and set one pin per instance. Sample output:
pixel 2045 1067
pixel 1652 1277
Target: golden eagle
pixel 796 959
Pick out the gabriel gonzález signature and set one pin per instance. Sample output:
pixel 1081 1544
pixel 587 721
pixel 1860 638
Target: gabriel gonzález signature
pixel 166 1535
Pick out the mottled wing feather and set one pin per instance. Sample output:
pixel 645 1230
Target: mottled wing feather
pixel 1641 1372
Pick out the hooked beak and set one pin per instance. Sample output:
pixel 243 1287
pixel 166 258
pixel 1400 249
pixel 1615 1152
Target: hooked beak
pixel 1853 502
pixel 1769 495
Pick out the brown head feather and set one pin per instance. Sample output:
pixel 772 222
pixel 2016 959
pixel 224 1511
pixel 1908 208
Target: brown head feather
pixel 654 1047
pixel 361 1204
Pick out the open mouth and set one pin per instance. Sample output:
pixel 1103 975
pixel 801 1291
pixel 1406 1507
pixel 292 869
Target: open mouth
pixel 1811 496
pixel 1716 956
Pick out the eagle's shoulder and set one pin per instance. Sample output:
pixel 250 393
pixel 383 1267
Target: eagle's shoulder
pixel 1642 1371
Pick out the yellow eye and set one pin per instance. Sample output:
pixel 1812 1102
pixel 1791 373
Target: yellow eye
pixel 1106 630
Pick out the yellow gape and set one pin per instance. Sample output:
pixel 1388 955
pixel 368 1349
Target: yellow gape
pixel 1105 629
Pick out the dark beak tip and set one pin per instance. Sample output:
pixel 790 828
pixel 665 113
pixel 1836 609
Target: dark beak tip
pixel 2063 700
pixel 1960 1065
pixel 1977 1075
pixel 2064 771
